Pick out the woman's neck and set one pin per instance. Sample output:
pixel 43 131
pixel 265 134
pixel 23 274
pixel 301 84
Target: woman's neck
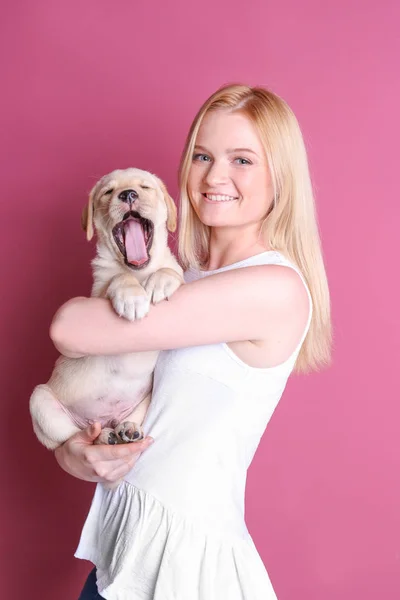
pixel 229 249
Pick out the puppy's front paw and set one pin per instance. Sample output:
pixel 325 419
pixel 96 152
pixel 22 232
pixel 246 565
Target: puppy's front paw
pixel 162 284
pixel 129 300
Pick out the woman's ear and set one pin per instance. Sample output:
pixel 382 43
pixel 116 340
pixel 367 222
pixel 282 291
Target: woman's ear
pixel 171 206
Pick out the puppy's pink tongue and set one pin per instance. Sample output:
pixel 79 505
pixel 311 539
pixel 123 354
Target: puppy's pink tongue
pixel 135 244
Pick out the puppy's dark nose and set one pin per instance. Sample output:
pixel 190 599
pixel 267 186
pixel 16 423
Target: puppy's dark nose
pixel 128 196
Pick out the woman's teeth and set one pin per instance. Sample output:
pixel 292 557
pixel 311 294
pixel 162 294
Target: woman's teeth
pixel 219 198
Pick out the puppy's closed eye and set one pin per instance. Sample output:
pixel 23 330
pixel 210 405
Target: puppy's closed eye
pixel 108 192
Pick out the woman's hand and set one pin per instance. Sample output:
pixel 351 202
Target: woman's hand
pixel 80 457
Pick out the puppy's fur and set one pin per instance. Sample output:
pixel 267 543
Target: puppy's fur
pixel 130 211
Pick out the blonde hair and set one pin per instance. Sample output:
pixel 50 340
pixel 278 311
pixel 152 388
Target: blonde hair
pixel 291 225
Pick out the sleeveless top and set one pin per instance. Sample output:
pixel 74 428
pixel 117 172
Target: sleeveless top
pixel 174 529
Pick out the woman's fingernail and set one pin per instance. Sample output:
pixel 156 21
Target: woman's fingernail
pixel 150 440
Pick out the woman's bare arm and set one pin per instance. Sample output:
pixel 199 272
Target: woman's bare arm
pixel 251 303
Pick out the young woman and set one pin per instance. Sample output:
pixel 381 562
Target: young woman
pixel 255 307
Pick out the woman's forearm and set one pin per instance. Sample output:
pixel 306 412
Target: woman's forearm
pixel 78 327
pixel 90 326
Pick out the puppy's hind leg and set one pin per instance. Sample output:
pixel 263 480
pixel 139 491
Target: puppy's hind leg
pixel 51 423
pixel 108 436
pixel 131 430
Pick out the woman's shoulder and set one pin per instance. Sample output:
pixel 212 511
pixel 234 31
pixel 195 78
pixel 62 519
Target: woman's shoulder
pixel 263 258
pixel 273 267
pixel 262 281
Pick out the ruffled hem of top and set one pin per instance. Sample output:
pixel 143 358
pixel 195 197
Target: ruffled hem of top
pixel 145 551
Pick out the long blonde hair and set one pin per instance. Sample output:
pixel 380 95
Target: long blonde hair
pixel 291 225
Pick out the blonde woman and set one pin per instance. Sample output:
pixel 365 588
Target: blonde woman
pixel 255 307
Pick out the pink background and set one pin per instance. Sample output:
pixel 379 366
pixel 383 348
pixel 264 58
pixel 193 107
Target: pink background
pixel 91 86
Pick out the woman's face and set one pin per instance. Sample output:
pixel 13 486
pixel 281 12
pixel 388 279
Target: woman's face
pixel 229 182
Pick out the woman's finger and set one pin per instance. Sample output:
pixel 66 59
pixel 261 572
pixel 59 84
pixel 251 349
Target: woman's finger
pixel 105 452
pixel 119 472
pixel 104 471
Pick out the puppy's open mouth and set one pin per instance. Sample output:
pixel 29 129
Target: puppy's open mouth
pixel 134 236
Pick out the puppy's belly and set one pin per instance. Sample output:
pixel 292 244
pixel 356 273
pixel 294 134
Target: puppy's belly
pixel 108 412
pixel 99 389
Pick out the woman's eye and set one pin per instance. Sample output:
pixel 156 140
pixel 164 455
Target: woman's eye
pixel 201 157
pixel 242 161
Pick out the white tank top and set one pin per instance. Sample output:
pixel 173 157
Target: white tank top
pixel 175 529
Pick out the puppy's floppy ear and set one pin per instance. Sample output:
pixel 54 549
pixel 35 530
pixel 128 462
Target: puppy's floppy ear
pixel 87 215
pixel 171 206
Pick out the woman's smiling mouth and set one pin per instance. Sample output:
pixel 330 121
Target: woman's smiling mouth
pixel 219 198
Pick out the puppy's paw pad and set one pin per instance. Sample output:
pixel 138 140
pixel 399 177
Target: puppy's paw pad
pixel 107 436
pixel 129 432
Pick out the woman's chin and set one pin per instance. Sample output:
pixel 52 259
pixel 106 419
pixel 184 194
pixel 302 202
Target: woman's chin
pixel 215 216
pixel 215 221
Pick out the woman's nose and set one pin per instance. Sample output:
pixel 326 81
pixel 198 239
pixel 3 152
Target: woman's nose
pixel 217 173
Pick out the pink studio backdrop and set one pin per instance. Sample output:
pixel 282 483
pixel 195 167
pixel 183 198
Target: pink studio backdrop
pixel 91 86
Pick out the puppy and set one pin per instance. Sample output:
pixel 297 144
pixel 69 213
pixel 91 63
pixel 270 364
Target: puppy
pixel 131 211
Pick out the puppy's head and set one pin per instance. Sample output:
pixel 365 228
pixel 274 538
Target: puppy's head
pixel 130 210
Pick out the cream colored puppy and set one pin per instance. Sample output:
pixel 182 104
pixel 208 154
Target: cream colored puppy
pixel 131 211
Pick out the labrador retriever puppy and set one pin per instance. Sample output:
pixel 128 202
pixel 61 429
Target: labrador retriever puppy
pixel 131 211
